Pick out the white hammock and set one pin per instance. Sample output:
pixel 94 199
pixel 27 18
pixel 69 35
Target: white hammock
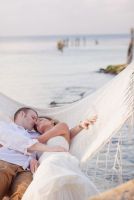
pixel 113 104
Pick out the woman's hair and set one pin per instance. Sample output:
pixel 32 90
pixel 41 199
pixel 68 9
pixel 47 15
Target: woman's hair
pixel 49 118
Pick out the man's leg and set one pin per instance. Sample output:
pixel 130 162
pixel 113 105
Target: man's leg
pixel 20 184
pixel 7 172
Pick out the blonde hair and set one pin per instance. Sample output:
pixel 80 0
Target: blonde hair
pixel 49 118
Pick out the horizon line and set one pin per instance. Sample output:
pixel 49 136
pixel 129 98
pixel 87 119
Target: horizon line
pixel 48 35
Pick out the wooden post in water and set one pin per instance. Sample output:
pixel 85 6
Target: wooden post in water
pixel 130 48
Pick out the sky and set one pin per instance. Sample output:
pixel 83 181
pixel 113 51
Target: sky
pixel 57 17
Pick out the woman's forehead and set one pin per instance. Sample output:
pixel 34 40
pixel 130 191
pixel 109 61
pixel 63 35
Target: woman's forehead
pixel 43 118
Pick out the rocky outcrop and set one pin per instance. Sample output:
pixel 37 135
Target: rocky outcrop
pixel 114 69
pixel 122 192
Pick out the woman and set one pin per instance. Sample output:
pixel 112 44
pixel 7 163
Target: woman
pixel 59 176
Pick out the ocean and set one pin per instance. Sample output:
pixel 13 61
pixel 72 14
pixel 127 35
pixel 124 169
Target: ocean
pixel 34 72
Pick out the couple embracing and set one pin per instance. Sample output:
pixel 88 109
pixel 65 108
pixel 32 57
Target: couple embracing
pixel 40 144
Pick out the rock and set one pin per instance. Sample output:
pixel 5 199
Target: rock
pixel 113 69
pixel 122 192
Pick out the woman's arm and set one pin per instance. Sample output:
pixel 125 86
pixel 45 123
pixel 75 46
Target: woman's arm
pixel 75 130
pixel 61 129
pixel 82 125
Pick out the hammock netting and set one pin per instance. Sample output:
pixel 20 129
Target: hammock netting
pixel 100 148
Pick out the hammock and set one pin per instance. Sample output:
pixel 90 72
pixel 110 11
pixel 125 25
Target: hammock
pixel 113 104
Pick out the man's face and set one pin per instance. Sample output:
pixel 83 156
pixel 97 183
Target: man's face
pixel 29 119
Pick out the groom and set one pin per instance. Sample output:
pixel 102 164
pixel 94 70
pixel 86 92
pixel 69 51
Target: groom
pixel 17 148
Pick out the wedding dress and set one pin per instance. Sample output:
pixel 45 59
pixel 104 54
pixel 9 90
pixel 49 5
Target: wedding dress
pixel 59 177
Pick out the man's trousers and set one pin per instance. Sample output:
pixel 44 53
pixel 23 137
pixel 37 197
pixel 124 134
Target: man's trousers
pixel 14 180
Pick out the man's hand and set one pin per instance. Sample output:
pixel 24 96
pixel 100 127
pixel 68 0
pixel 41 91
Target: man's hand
pixel 87 122
pixel 33 165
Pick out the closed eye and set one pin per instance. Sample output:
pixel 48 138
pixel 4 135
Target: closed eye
pixel 40 120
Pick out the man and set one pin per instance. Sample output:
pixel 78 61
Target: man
pixel 16 151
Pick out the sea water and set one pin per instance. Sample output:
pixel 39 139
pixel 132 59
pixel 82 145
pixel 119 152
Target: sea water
pixel 34 72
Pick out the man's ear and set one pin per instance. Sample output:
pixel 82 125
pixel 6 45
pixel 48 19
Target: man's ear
pixel 22 113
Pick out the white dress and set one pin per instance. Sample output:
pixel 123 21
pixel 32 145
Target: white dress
pixel 59 177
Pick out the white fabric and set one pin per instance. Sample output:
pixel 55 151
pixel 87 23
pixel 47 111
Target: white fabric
pixel 60 141
pixel 112 104
pixel 59 177
pixel 15 141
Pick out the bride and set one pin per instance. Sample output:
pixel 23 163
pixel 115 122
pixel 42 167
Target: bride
pixel 58 176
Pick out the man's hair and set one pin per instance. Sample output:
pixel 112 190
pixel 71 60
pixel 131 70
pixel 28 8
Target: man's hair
pixel 25 110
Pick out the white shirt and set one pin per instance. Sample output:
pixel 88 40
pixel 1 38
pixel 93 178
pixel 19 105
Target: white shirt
pixel 15 140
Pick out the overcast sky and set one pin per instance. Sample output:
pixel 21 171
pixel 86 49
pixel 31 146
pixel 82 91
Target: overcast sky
pixel 49 17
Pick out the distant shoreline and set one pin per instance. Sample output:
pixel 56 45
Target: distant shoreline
pixel 73 36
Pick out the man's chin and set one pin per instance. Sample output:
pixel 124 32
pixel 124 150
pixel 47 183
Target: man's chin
pixel 30 128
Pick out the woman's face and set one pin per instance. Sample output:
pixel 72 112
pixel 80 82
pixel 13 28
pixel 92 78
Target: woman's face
pixel 43 124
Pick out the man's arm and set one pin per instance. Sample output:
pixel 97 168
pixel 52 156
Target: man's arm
pixel 15 141
pixel 40 147
pixel 22 143
pixel 44 148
